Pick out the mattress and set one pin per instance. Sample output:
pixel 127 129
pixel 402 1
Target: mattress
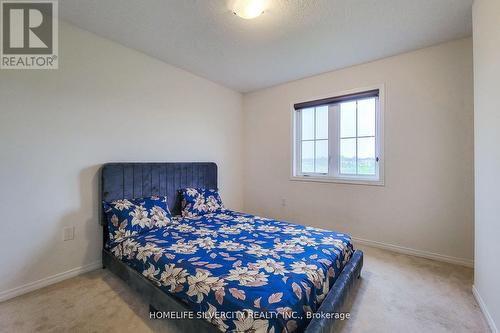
pixel 238 271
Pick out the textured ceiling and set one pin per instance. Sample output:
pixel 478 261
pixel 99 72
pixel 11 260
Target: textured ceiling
pixel 291 40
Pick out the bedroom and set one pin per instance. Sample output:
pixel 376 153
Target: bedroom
pixel 365 129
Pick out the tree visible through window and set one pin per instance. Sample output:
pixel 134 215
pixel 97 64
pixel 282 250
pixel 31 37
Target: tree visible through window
pixel 357 137
pixel 339 138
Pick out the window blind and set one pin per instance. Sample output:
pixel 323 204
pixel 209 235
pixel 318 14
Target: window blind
pixel 338 99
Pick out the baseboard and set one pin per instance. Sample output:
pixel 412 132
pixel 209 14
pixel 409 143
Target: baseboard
pixel 8 294
pixel 416 253
pixel 484 310
pixel 11 293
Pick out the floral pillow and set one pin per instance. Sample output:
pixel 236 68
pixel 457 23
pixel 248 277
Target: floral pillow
pixel 133 217
pixel 197 201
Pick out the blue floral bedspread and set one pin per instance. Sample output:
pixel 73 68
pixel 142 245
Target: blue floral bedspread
pixel 243 272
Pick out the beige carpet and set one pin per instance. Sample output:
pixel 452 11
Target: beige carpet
pixel 397 293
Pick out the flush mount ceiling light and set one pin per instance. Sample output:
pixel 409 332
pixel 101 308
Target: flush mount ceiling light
pixel 248 9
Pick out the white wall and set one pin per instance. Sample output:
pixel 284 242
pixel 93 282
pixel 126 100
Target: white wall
pixel 427 201
pixel 110 103
pixel 486 18
pixel 105 103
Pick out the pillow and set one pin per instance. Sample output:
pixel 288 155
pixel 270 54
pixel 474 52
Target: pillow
pixel 133 217
pixel 197 201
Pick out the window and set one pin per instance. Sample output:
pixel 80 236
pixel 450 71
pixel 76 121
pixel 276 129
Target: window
pixel 314 140
pixel 339 139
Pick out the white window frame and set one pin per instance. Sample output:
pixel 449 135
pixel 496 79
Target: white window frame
pixel 334 175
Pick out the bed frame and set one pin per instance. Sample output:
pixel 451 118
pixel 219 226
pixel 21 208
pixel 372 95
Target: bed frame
pixel 136 180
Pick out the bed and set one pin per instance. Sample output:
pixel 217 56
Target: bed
pixel 227 271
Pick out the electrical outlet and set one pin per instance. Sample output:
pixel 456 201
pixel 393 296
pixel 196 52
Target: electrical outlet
pixel 68 233
pixel 283 202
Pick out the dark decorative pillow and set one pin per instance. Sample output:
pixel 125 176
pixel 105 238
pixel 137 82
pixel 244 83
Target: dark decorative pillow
pixel 133 217
pixel 197 201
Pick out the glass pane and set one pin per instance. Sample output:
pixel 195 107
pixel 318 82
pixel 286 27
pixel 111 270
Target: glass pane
pixel 348 119
pixel 307 124
pixel 348 156
pixel 322 156
pixel 307 156
pixel 322 122
pixel 366 156
pixel 366 117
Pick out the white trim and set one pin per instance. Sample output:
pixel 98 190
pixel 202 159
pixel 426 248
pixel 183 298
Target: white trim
pixel 416 253
pixel 31 286
pixel 484 310
pixel 332 177
pixel 326 179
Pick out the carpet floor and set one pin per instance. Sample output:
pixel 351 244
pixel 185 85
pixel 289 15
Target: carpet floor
pixel 397 293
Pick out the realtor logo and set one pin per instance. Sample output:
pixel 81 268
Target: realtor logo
pixel 29 32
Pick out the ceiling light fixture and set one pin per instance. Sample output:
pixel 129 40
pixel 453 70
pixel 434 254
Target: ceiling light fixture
pixel 248 9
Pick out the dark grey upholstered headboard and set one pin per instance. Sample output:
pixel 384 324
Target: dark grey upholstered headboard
pixel 138 180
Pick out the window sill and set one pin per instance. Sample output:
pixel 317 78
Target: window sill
pixel 316 179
